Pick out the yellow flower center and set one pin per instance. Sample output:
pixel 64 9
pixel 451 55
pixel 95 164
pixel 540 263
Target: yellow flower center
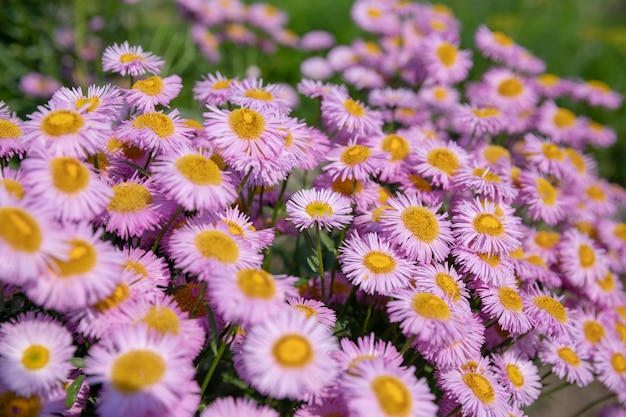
pixel 421 222
pixel 161 124
pixel 619 231
pixel 308 310
pixel 552 307
pixel 480 386
pixel 510 299
pixel 199 169
pixel 9 130
pixel 19 229
pixel 13 405
pixel 488 224
pixel 318 209
pixel 564 118
pixel 35 357
pixel 397 146
pixel 129 197
pixel 246 123
pixel 93 102
pixel 515 375
pixel 14 188
pixel 607 283
pixel 355 154
pixel 420 183
pixel 492 259
pixel 61 122
pixel 372 48
pixel 256 283
pixel 379 262
pixel 69 175
pixel 347 186
pixel 486 175
pixel 128 58
pixel 221 84
pixel 547 239
pixel 83 257
pixel 586 255
pixel 548 80
pixel 576 159
pixel 137 369
pixel 502 39
pixel 151 86
pixel 599 85
pixel 537 260
pixel 102 158
pixel 620 329
pixel 594 331
pixel 378 212
pixel 393 395
pixel 354 108
pixel 430 306
pixel 568 355
pixel 119 294
pixel 259 95
pixel 440 93
pixel 444 160
pixel 448 285
pixel 447 54
pixel 618 361
pixel 595 193
pixel 374 12
pixel 136 267
pixel 546 191
pixel 186 297
pixel 511 87
pixel 217 245
pixel 132 152
pixel 552 151
pixel 293 351
pixel 486 112
pixel 162 320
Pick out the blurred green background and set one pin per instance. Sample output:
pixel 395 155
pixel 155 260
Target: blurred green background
pixel 577 38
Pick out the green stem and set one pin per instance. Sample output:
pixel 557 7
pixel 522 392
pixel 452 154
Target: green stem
pixel 593 404
pixel 261 205
pixel 155 245
pixel 336 264
pixel 555 389
pixel 347 303
pixel 320 260
pixel 220 352
pixel 279 202
pixel 244 180
pixel 453 412
pixel 370 307
pixel 199 301
pixel 407 345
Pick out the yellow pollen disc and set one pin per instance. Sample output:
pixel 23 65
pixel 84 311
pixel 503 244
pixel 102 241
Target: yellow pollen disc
pixel 233 227
pixel 82 259
pixel 374 12
pixel 546 191
pixel 132 152
pixel 594 331
pixel 136 267
pixel 599 85
pixel 620 329
pixel 9 130
pixel 447 54
pixel 128 57
pixel 161 124
pixel 186 297
pixel 221 84
pixel 502 39
pixel 376 213
pixel 246 123
pixel 568 355
pixel 420 183
pixel 194 124
pixel 515 375
pixel 259 95
pixel 137 369
pixel 393 395
pixel 12 405
pixel 440 93
pixel 217 245
pixel 595 193
pixel 120 293
pixel 162 319
pixel 442 9
pixel 102 158
pixel 448 285
pixel 480 386
pixel 537 260
pixel 619 231
pixel 576 159
pixel 61 122
pixel 35 357
pixel 69 175
pixel 618 361
pixel 219 161
pixel 19 229
pixel 548 80
pixel 443 159
pixel 546 239
pixel 383 195
pixel 14 188
pixel 586 255
pixel 510 299
pixel 438 25
pixel 511 87
pixel 552 151
pixel 256 283
pixel 360 358
pixel 372 48
pixel 470 366
pixel 607 283
pixel 486 175
pixel 289 140
pixel 421 222
pixel 151 86
pixel 129 197
pixel 397 146
pixel 199 169
pixel 621 311
pixel 405 112
pixel 318 209
pixel 347 187
pixel 379 262
pixel 354 108
pixel 486 112
pixel 293 351
pixel 355 154
pixel 552 307
pixel 93 102
pixel 564 118
pixel 595 126
pixel 517 253
pixel 114 145
pixel 492 259
pixel 430 306
pixel 308 310
pixel 488 224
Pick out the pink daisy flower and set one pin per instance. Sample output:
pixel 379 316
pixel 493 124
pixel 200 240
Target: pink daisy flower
pixel 422 234
pixel 229 406
pixel 146 94
pixel 239 224
pixel 610 365
pixel 316 40
pixel 353 161
pixel 316 68
pixel 10 133
pixel 597 93
pixel 314 308
pixel 519 376
pixel 289 356
pixel 212 89
pixel 375 17
pixel 36 350
pixel 495 45
pixel 599 135
pixel 207 42
pixel 100 100
pixel 508 90
pixel 581 262
pixel 439 161
pixel 543 200
pixel 51 404
pixel 490 269
pixel 559 124
pixel 364 349
pixel 548 314
pixel 445 63
pixel 318 89
pixel 568 361
pixel 132 60
pixel 251 93
pixel 477 121
pixel 445 278
pixel 548 158
pixel 321 208
pixel 439 97
pixel 485 182
pixel 505 303
pixel 12 182
pixel 375 266
pixel 342 113
pixel 156 131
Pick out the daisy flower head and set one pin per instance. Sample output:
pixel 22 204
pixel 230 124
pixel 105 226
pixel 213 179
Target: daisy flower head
pixel 392 97
pixel 207 42
pixel 316 68
pixel 12 181
pixel 445 63
pixel 320 208
pixel 422 234
pixel 132 60
pixel 375 17
pixel 366 348
pixel 251 93
pixel 548 314
pixel 547 157
pixel 317 89
pixel 266 17
pixel 483 226
pixel 397 146
pixel 544 200
pixel 289 356
pixel 581 261
pixel 353 161
pixel 444 277
pixel 505 303
pixel 250 295
pixel 316 40
pixel 568 361
pixel 342 113
pixel 610 365
pixel 519 376
pixel 229 406
pixel 439 97
pixel 490 269
pixel 104 100
pixel 314 308
pixel 84 274
pixel 495 45
pixel 36 350
pixel 212 89
pixel 71 189
pixel 379 389
pixel 478 121
pixel 597 93
pixel 560 124
pixel 10 133
pixel 149 92
pixel 363 77
pixel 239 224
pixel 493 183
pixel 372 263
pixel 142 373
pixel 438 161
pixel 508 90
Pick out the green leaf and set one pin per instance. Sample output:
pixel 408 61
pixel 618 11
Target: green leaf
pixel 78 362
pixel 328 242
pixel 313 262
pixel 214 335
pixel 72 390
